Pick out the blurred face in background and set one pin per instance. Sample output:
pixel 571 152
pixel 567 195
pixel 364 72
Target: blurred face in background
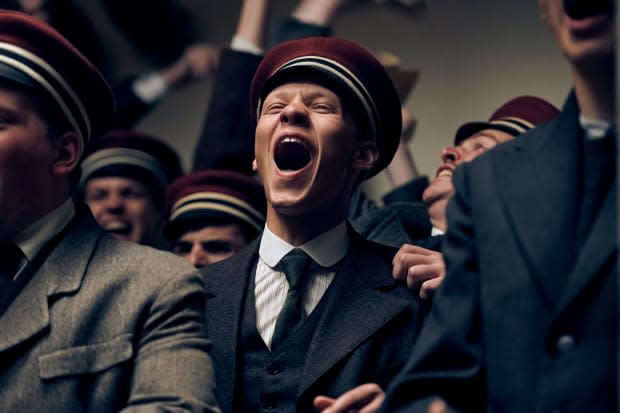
pixel 210 244
pixel 124 207
pixel 440 190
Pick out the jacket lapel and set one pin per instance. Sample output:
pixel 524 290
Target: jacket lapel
pixel 60 273
pixel 364 297
pixel 537 178
pixel 225 286
pixel 597 251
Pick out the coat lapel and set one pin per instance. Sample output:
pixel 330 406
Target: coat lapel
pixel 60 273
pixel 364 297
pixel 225 286
pixel 537 181
pixel 597 251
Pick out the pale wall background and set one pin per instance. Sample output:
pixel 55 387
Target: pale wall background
pixel 473 55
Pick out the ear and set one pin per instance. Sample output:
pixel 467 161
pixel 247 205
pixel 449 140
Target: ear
pixel 365 158
pixel 69 149
pixel 254 165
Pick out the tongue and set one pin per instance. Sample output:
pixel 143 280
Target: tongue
pixel 291 155
pixel 580 9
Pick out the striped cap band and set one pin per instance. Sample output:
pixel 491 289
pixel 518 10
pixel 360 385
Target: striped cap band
pixel 340 73
pixel 52 82
pixel 123 156
pixel 216 201
pixel 518 124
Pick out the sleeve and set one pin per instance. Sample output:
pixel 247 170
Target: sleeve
pixel 408 192
pixel 129 107
pixel 290 28
pixel 227 137
pixel 173 370
pixel 447 360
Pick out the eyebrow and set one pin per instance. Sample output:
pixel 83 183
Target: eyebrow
pixel 482 134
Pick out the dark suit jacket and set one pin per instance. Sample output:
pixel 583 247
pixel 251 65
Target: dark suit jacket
pixel 364 334
pixel 105 325
pixel 523 322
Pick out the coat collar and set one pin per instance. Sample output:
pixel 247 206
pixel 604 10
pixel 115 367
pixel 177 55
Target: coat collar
pixel 364 294
pixel 536 179
pixel 597 252
pixel 61 273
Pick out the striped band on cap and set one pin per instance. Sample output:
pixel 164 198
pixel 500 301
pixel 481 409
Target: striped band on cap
pixel 217 201
pixel 52 82
pixel 518 124
pixel 344 76
pixel 123 156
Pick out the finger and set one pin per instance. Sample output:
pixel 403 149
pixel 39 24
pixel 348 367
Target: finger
pixel 418 274
pixel 416 249
pixel 374 405
pixel 404 260
pixel 438 406
pixel 428 288
pixel 322 402
pixel 356 398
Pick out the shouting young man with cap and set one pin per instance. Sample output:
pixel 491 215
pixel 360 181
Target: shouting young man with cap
pixel 125 175
pixel 213 214
pixel 89 323
pixel 526 319
pixel 310 307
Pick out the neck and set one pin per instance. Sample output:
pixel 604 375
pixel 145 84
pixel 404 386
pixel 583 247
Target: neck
pixel 298 229
pixel 437 214
pixel 595 89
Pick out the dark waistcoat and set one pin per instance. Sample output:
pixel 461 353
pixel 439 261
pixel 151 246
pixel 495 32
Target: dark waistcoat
pixel 270 379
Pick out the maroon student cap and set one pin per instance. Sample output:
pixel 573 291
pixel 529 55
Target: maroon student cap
pixel 35 55
pixel 132 154
pixel 515 117
pixel 356 76
pixel 211 196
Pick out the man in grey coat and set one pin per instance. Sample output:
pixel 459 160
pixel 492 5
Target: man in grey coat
pixel 87 322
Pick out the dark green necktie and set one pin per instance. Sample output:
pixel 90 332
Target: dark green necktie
pixel 294 265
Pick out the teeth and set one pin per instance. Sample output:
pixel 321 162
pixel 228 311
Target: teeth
pixel 445 173
pixel 116 226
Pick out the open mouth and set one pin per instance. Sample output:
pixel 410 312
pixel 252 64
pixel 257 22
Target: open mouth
pixel 118 227
pixel 446 173
pixel 291 154
pixel 581 9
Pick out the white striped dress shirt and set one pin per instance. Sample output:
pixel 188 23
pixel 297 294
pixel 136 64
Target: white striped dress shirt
pixel 326 250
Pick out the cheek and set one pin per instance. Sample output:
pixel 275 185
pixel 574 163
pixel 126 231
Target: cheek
pixel 95 207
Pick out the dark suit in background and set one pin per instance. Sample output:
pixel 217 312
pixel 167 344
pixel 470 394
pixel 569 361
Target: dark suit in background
pixel 526 318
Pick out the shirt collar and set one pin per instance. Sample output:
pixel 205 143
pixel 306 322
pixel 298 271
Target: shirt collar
pixel 33 238
pixel 594 128
pixel 436 231
pixel 326 249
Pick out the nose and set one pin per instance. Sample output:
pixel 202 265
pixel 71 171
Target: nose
pixel 295 114
pixel 197 256
pixel 114 202
pixel 451 154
